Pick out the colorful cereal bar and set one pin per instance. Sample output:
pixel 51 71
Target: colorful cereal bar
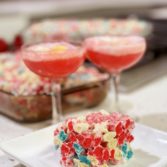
pixel 76 30
pixel 95 140
pixel 16 79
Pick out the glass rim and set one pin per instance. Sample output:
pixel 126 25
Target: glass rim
pixel 139 43
pixel 25 47
pixel 118 36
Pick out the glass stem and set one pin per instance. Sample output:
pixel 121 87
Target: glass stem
pixel 115 78
pixel 56 101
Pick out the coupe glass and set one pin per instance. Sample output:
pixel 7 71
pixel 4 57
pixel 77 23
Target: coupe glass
pixel 115 54
pixel 54 60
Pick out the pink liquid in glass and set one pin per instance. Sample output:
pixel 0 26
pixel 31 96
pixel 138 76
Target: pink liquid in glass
pixel 53 60
pixel 115 53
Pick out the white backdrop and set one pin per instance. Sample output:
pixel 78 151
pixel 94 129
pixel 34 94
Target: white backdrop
pixel 37 7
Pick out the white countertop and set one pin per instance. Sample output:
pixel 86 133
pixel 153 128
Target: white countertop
pixel 149 103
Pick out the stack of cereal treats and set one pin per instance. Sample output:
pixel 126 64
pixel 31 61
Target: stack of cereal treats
pixel 95 140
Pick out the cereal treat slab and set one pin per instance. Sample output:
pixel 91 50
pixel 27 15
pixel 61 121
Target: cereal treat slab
pixel 16 79
pixel 78 30
pixel 95 140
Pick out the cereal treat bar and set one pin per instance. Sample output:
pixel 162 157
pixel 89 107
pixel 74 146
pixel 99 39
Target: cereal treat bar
pixel 95 140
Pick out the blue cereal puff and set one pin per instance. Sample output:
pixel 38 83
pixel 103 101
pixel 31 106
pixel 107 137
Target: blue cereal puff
pixel 78 148
pixel 124 148
pixel 84 159
pixel 129 154
pixel 62 136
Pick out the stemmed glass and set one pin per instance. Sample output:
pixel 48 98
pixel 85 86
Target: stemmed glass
pixel 115 54
pixel 54 60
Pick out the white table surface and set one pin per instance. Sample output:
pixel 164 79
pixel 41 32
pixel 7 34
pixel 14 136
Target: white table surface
pixel 149 104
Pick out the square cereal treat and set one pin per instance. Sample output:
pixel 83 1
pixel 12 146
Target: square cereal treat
pixel 95 140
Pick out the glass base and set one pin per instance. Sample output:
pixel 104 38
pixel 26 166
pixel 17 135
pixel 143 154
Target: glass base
pixel 123 106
